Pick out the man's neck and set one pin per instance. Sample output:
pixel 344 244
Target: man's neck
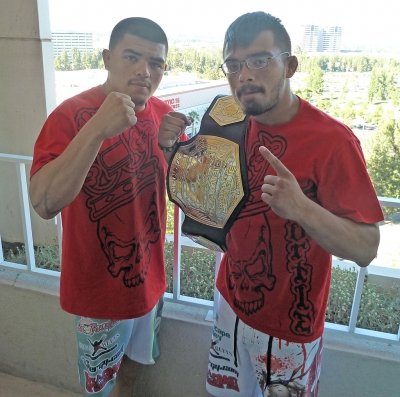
pixel 283 112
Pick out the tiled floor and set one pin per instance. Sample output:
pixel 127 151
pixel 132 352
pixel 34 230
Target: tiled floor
pixel 10 386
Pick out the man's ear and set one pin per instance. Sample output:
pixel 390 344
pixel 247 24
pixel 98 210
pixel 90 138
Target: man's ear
pixel 165 67
pixel 292 64
pixel 106 58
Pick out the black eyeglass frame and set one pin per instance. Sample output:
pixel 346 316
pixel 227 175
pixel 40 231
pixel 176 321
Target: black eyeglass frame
pixel 245 61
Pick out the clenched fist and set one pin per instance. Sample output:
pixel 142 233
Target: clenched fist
pixel 172 126
pixel 116 114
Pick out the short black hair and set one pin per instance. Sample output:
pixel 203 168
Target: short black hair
pixel 244 30
pixel 144 28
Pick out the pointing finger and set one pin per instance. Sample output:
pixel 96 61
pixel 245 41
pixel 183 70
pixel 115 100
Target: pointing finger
pixel 276 164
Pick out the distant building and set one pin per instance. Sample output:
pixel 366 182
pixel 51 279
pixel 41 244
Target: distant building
pixel 332 39
pixel 320 39
pixel 69 40
pixel 310 40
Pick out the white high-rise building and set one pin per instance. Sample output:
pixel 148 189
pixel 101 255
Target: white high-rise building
pixel 310 38
pixel 332 39
pixel 69 40
pixel 315 38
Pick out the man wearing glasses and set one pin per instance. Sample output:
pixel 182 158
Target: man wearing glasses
pixel 309 197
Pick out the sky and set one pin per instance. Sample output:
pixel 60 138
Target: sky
pixel 363 22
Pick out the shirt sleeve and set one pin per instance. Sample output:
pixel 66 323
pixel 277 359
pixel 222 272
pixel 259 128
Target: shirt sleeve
pixel 56 134
pixel 345 188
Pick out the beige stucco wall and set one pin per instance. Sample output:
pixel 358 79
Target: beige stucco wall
pixel 27 96
pixel 38 343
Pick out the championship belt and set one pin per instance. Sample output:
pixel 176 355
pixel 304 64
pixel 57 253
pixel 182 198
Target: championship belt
pixel 207 175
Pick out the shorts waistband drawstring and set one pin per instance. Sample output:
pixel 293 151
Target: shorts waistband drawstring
pixel 235 340
pixel 271 339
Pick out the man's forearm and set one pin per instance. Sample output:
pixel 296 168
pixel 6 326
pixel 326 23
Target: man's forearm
pixel 57 183
pixel 341 237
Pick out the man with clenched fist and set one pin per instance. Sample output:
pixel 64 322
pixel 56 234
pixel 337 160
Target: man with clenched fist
pixel 98 162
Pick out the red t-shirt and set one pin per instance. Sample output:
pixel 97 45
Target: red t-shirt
pixel 114 230
pixel 274 276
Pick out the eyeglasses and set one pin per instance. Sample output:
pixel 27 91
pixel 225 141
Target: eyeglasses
pixel 256 62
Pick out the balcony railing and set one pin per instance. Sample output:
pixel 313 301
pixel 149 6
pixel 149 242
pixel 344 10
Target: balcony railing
pixel 20 164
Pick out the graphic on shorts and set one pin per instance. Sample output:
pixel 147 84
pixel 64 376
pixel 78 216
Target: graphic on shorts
pixel 88 327
pixel 119 175
pixel 294 386
pixel 301 313
pixel 251 277
pixel 222 381
pixel 215 350
pixel 106 371
pixel 218 352
pixel 101 346
pixel 257 165
pixel 221 374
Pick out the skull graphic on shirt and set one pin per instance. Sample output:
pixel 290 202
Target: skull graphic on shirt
pixel 250 276
pixel 131 257
pixel 119 175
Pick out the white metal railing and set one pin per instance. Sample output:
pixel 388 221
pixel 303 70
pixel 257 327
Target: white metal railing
pixel 21 162
pixel 362 272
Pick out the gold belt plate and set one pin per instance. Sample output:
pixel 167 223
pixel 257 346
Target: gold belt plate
pixel 227 111
pixel 205 179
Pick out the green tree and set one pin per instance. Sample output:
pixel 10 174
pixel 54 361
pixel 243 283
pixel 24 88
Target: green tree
pixel 94 61
pixel 315 82
pixel 377 115
pixel 170 217
pixel 363 110
pixel 76 63
pixel 323 62
pixel 100 64
pixel 65 63
pixel 334 63
pixel 87 60
pixel 336 111
pixel 383 159
pixel 194 115
pixel 196 119
pixel 57 63
pixel 395 97
pixel 204 62
pixel 297 49
pixel 344 91
pixel 324 104
pixel 304 93
pixel 382 83
pixel 349 112
pixel 373 85
pixel 363 64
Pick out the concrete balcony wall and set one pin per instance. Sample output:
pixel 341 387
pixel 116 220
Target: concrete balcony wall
pixel 28 95
pixel 38 343
pixel 38 338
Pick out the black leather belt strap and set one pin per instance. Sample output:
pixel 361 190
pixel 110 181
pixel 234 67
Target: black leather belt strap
pixel 234 132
